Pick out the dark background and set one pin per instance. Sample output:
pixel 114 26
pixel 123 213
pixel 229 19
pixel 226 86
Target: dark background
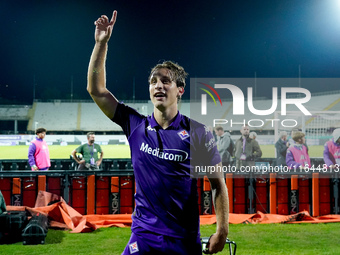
pixel 46 45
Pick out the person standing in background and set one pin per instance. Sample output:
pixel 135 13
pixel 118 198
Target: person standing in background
pixel 281 147
pixel 225 146
pixel 331 153
pixel 297 155
pixel 89 152
pixel 253 135
pixel 246 149
pixel 38 153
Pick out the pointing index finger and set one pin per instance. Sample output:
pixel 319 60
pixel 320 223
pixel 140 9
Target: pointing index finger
pixel 114 17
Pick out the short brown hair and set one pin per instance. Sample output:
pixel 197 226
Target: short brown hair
pixel 178 73
pixel 40 130
pixel 297 135
pixel 219 128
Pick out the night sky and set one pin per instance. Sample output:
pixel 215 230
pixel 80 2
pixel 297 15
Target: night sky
pixel 49 43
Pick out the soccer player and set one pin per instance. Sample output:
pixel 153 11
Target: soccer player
pixel 297 154
pixel 331 153
pixel 166 217
pixel 38 153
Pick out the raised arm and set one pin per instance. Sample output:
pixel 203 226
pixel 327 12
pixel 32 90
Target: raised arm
pixel 96 77
pixel 221 204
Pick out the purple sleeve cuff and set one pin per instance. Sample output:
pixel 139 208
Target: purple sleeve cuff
pixel 326 158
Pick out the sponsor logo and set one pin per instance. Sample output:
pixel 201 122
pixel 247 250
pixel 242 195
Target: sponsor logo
pixel 167 154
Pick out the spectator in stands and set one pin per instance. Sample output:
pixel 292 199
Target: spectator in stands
pixel 225 145
pixel 166 216
pixel 331 153
pixel 89 152
pixel 38 153
pixel 297 154
pixel 281 147
pixel 246 149
pixel 252 135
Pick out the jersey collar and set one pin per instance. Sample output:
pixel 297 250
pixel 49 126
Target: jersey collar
pixel 173 125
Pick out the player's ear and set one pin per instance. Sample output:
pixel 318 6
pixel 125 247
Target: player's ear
pixel 180 91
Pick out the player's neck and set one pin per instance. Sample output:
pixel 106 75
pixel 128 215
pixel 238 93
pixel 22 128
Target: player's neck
pixel 164 118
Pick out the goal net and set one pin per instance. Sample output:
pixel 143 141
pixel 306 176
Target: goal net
pixel 317 127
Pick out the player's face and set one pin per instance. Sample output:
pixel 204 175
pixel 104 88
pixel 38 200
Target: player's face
pixel 41 135
pixel 245 131
pixel 163 91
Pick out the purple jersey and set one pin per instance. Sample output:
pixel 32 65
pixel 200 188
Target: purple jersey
pixel 166 195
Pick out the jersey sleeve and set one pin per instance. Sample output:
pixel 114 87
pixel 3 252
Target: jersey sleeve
pixel 204 150
pixel 127 118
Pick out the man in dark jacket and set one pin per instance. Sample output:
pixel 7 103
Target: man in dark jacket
pixel 246 149
pixel 281 147
pixel 225 145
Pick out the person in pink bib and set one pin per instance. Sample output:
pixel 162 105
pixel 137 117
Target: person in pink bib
pixel 331 153
pixel 38 153
pixel 297 154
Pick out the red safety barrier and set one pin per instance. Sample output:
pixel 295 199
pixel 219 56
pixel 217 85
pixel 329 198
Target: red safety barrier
pixel 315 194
pixel 126 194
pixel 304 193
pixel 78 194
pixel 240 194
pixel 29 191
pixel 282 185
pixel 273 187
pixel 6 189
pixel 261 189
pixel 102 198
pixel 325 195
pixel 54 185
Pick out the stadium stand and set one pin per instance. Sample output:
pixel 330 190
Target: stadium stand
pixel 83 116
pixel 14 112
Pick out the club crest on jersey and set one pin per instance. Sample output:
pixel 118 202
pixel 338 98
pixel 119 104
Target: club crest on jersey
pixel 183 134
pixel 133 247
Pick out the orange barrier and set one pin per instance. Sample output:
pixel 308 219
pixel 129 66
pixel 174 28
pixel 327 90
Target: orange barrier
pixel 90 194
pixel 229 183
pixel 64 216
pixel 42 183
pixel 272 193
